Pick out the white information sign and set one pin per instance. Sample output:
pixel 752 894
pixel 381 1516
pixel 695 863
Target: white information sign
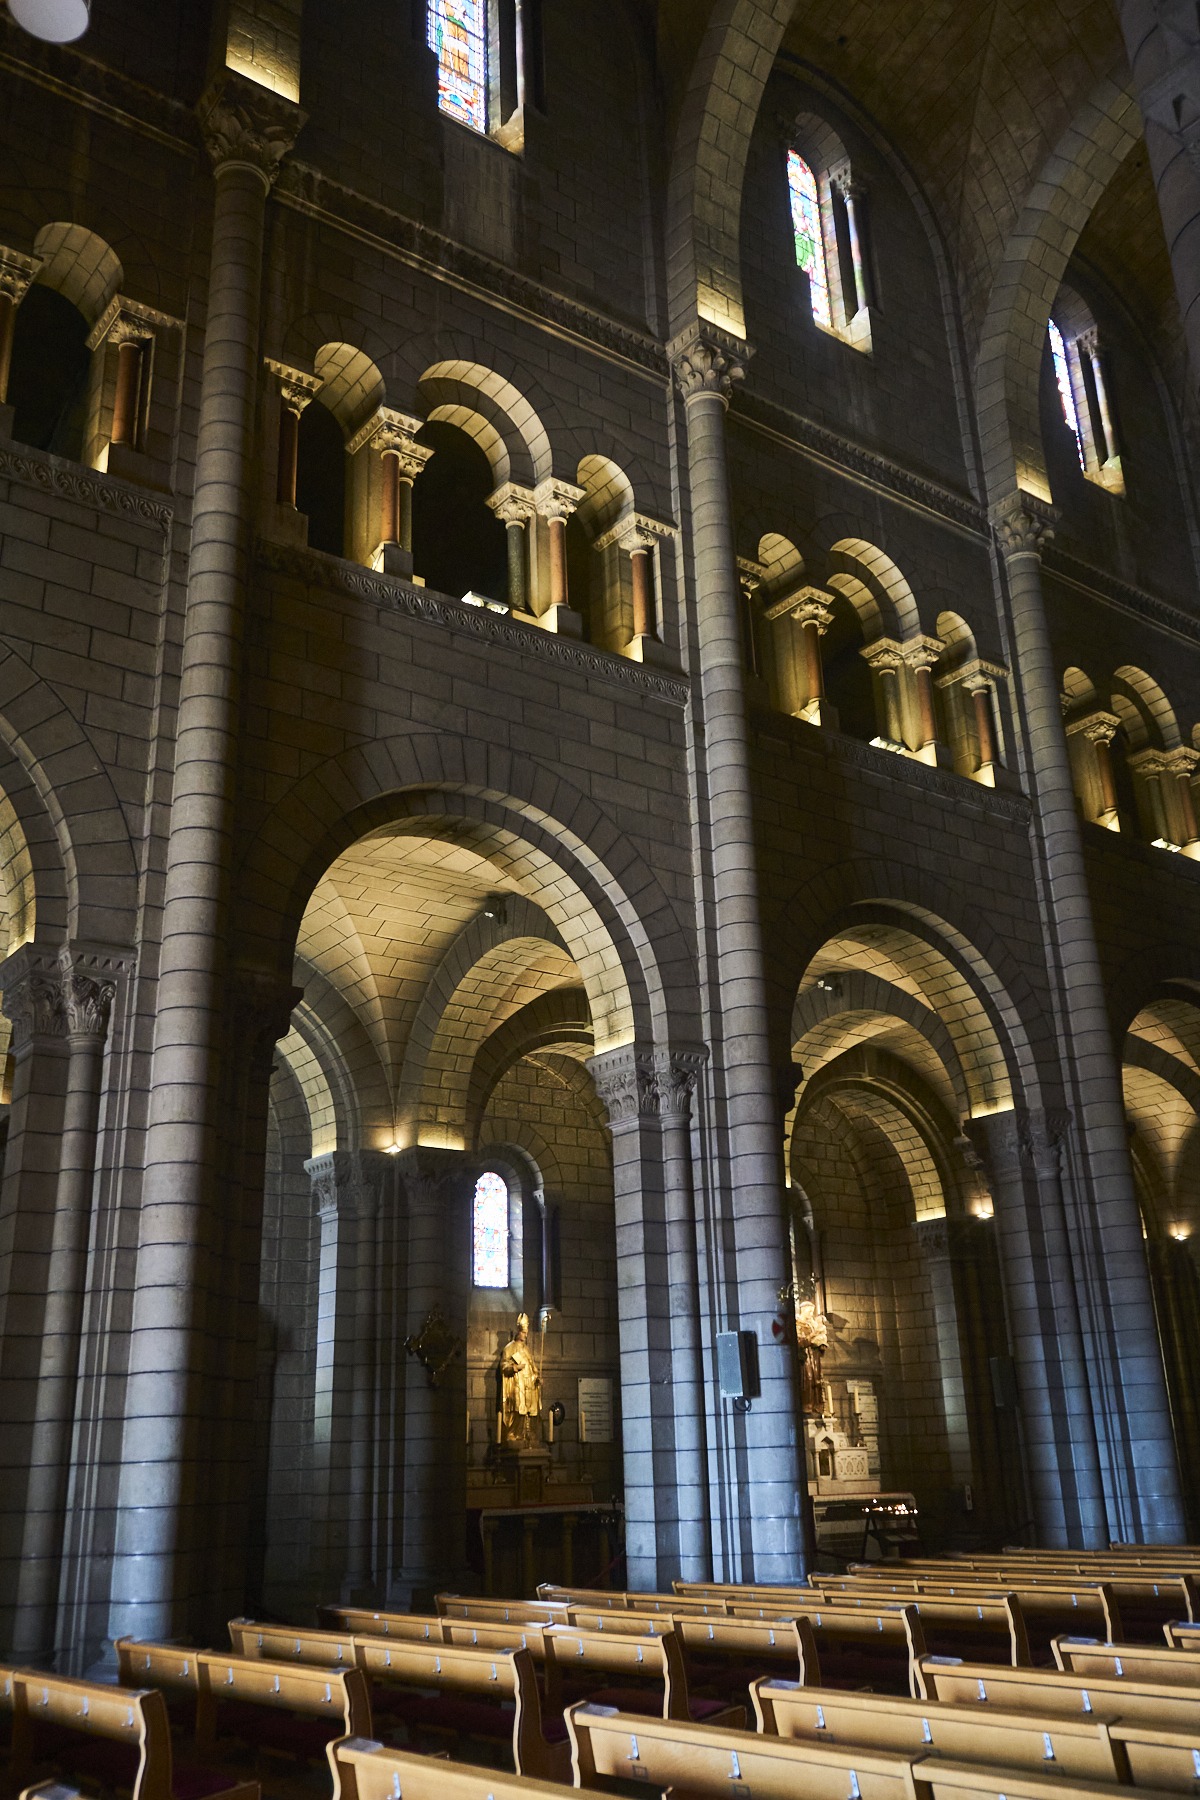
pixel 595 1409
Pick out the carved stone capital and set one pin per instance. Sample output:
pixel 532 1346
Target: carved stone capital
pixel 348 1183
pixel 1023 524
pixel 883 654
pixel 513 504
pixel 1150 762
pixel 923 651
pixel 247 126
pixel 261 1015
pixel 126 321
pixel 646 1084
pixel 557 499
pixel 637 531
pixel 1096 727
pixel 388 430
pixel 1023 1140
pixel 31 993
pixel 1182 761
pixel 974 675
pixel 296 386
pixel 706 360
pixel 16 273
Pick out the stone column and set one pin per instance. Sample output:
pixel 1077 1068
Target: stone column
pixel 854 199
pixel 556 501
pixel 647 1095
pixel 16 273
pixel 762 1442
pixel 1120 1338
pixel 88 985
pixel 1182 764
pixel 516 509
pixel 637 535
pixel 1023 1154
pixel 437 1185
pixel 296 390
pixel 1157 779
pixel 1100 728
pixel 886 659
pixel 936 1248
pixel 160 1508
pixel 391 436
pixel 921 653
pixel 1162 39
pixel 810 608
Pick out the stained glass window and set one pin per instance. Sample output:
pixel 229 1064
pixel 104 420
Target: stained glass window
pixel 1066 393
pixel 458 34
pixel 810 238
pixel 489 1229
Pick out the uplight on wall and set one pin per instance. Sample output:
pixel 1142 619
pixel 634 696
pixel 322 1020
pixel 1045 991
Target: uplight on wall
pixel 57 21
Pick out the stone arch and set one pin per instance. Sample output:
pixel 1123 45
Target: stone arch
pixel 542 834
pixel 830 1016
pixel 608 493
pixel 1012 340
pixel 558 1020
pixel 495 412
pixel 314 1088
pixel 873 584
pixel 79 265
pixel 1144 709
pixel 708 162
pixel 351 384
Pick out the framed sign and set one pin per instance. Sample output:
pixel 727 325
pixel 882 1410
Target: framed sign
pixel 595 1409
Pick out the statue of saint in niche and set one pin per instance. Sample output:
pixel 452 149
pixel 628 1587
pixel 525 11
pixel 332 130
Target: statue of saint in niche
pixel 812 1337
pixel 521 1390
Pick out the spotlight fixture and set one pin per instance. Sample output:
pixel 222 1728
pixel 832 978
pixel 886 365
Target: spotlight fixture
pixel 56 21
pixel 828 986
pixel 495 909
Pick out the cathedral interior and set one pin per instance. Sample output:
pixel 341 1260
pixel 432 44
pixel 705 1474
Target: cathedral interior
pixel 599 745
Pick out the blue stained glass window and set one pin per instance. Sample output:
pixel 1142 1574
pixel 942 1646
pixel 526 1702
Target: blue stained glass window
pixel 489 1232
pixel 1066 393
pixel 458 34
pixel 810 236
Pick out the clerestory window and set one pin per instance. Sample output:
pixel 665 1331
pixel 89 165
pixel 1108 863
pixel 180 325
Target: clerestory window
pixel 490 1232
pixel 1082 382
pixel 827 230
pixel 489 63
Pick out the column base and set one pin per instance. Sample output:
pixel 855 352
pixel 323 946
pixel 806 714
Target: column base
pixel 648 650
pixel 285 525
pixel 564 620
pixel 935 755
pixel 392 559
pixel 819 712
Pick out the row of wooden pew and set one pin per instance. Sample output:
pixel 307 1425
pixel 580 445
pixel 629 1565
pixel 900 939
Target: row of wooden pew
pixel 710 1689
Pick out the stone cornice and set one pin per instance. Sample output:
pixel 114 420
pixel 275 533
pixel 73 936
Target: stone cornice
pixel 1148 608
pixel 847 457
pixel 452 615
pixel 306 190
pixel 968 795
pixel 54 476
pixel 99 89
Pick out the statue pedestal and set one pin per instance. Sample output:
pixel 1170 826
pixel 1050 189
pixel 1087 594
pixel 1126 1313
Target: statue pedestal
pixel 528 1468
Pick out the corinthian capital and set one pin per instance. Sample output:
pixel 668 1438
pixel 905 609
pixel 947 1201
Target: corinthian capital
pixel 1023 524
pixel 646 1084
pixel 707 360
pixel 16 273
pixel 31 983
pixel 246 124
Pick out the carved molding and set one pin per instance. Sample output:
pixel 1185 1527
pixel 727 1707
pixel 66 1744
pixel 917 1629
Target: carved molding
pixel 16 272
pixel 637 531
pixel 513 504
pixel 53 476
pixel 126 321
pixel 388 429
pixel 557 499
pixel 397 595
pixel 1137 602
pixel 97 87
pixel 1023 524
pixel 646 1084
pixel 247 125
pixel 706 360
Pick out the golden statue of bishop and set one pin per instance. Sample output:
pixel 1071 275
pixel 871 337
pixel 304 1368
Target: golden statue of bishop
pixel 521 1389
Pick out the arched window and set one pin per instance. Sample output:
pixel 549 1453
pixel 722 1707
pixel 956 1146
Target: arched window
pixel 1081 379
pixel 488 54
pixel 809 230
pixel 489 1232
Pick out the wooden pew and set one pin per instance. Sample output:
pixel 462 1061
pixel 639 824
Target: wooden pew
pixel 1052 1693
pixel 1132 1662
pixel 288 1708
pixel 437 1687
pixel 364 1770
pixel 500 1612
pixel 1079 1749
pixel 940 1780
pixel 592 1661
pixel 1159 1758
pixel 453 1688
pixel 1182 1635
pixel 118 1737
pixel 604 1600
pixel 360 1622
pixel 697 1759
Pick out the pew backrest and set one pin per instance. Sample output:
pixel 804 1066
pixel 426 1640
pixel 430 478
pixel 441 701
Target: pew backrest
pixel 1052 1693
pixel 339 1697
pixel 1182 1634
pixel 136 1717
pixel 1158 1758
pixel 501 1612
pixel 646 1658
pixel 288 1643
pixel 701 1760
pixel 359 1622
pixel 363 1770
pixel 1128 1662
pixel 499 1674
pixel 1078 1748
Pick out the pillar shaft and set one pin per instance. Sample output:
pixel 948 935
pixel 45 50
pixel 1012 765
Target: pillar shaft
pixel 558 562
pixel 128 394
pixel 289 454
pixel 768 1530
pixel 8 319
pixel 644 620
pixel 514 543
pixel 1125 1367
pixel 160 1509
pixel 1104 768
pixel 87 1004
pixel 924 677
pixel 981 699
pixel 814 671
